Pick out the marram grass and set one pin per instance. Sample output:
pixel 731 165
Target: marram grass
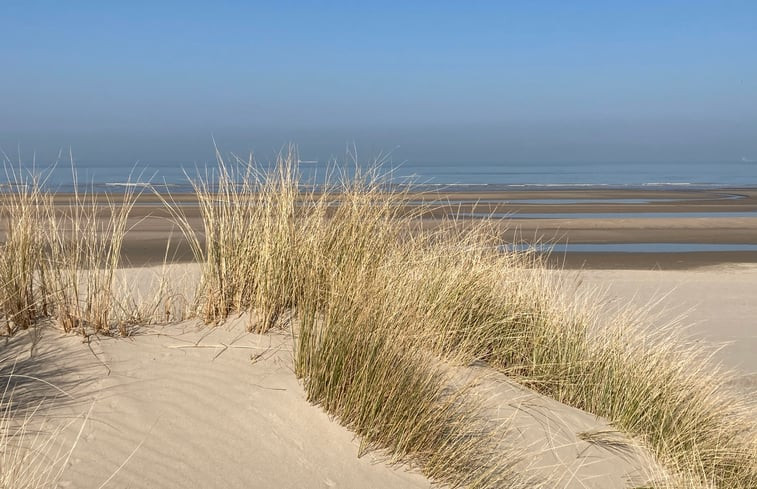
pixel 292 257
pixel 380 304
pixel 59 260
pixel 376 301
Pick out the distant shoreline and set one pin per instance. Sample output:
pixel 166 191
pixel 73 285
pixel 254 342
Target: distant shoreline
pixel 442 188
pixel 481 192
pixel 614 221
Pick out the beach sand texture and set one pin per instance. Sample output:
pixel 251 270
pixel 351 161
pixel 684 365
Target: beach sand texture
pixel 716 304
pixel 183 405
pixel 190 406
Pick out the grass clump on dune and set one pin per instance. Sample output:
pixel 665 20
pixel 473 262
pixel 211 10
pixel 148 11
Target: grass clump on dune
pixel 85 241
pixel 377 301
pixel 314 261
pixel 473 303
pixel 59 257
pixel 651 384
pixel 24 289
pixel 246 237
pixel 58 261
pixel 357 364
pixel 357 360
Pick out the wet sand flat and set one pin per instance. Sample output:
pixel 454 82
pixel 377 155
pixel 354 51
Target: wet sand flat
pixel 147 240
pixel 151 228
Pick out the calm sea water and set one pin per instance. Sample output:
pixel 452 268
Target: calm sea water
pixel 452 176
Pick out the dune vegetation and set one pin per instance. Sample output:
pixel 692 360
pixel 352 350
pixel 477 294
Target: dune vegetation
pixel 382 307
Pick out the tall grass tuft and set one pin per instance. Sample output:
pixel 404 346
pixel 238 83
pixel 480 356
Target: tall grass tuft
pixel 59 261
pixel 650 383
pixel 23 284
pixel 474 304
pixel 85 238
pixel 379 301
pixel 318 263
pixel 238 257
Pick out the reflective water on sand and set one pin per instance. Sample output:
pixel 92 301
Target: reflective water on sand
pixel 632 247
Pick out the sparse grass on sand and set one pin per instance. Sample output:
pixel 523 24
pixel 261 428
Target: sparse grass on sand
pixel 24 296
pixel 60 261
pixel 31 454
pixel 381 307
pixel 84 243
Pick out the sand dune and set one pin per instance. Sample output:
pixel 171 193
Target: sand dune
pixel 185 406
pixel 201 417
pixel 563 446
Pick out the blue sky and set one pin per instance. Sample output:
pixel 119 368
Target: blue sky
pixel 558 81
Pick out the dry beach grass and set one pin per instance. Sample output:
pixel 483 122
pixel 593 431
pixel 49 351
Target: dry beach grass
pixel 382 311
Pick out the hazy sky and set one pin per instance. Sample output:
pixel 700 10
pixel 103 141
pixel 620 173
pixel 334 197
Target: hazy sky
pixel 541 80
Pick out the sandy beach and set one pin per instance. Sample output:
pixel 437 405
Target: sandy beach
pixel 714 303
pixel 189 407
pixel 185 405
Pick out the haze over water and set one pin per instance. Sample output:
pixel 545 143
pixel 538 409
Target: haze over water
pixel 540 93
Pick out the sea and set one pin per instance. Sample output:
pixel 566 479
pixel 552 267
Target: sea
pixel 104 176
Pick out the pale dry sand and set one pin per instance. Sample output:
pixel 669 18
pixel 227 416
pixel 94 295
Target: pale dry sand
pixel 185 406
pixel 198 417
pixel 717 305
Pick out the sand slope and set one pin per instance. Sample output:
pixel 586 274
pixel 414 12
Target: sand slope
pixel 183 406
pixel 198 420
pixel 716 303
pixel 563 446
